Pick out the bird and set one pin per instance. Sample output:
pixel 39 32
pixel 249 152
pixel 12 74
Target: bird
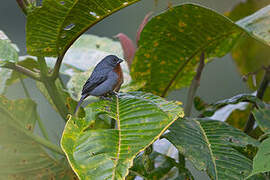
pixel 106 78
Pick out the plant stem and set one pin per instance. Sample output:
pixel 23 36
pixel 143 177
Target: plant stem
pixel 193 87
pixel 57 67
pixel 24 87
pixel 52 89
pixel 22 70
pixel 261 91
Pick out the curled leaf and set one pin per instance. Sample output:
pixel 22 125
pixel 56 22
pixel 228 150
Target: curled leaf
pixel 144 22
pixel 128 48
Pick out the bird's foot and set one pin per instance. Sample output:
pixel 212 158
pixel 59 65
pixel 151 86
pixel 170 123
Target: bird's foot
pixel 105 98
pixel 113 93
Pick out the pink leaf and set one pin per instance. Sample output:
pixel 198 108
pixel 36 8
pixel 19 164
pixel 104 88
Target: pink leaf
pixel 22 5
pixel 128 48
pixel 144 22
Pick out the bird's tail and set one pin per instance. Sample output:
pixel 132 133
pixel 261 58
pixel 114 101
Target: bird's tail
pixel 79 103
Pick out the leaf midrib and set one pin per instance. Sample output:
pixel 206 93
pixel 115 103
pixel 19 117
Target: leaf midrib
pixel 61 26
pixel 200 49
pixel 119 138
pixel 208 145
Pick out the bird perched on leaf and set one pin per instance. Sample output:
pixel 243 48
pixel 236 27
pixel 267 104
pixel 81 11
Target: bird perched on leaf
pixel 106 78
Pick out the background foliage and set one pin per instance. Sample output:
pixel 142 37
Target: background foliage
pixel 113 139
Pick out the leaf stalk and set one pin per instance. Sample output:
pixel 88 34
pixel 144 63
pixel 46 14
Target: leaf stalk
pixel 52 89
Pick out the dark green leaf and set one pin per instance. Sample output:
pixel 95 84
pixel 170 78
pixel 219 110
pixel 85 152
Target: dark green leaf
pixel 262 117
pixel 172 42
pixel 212 108
pixel 163 165
pixel 54 26
pixel 108 153
pixel 210 146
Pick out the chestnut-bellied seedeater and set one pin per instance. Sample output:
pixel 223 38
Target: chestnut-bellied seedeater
pixel 106 78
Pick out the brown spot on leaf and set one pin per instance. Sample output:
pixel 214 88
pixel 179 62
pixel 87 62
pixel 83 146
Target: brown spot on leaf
pixel 29 127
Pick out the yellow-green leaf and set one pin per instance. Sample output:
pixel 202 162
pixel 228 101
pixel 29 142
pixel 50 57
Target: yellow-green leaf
pixel 261 160
pixel 108 153
pixel 21 156
pixel 172 42
pixel 8 53
pixel 54 26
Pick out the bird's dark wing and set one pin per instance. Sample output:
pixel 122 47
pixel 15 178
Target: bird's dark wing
pixel 93 82
pixel 107 86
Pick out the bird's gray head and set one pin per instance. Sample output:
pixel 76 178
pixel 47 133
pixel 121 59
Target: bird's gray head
pixel 112 60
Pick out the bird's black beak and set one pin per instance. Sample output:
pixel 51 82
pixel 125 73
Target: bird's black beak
pixel 119 61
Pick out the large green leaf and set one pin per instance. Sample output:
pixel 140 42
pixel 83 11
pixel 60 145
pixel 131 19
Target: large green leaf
pixel 172 42
pixel 8 53
pixel 21 156
pixel 261 160
pixel 54 26
pixel 108 153
pixel 212 146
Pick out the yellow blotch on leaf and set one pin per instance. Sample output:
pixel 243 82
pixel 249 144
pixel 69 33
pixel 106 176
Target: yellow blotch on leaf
pixel 147 55
pixel 163 62
pixel 209 38
pixel 181 24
